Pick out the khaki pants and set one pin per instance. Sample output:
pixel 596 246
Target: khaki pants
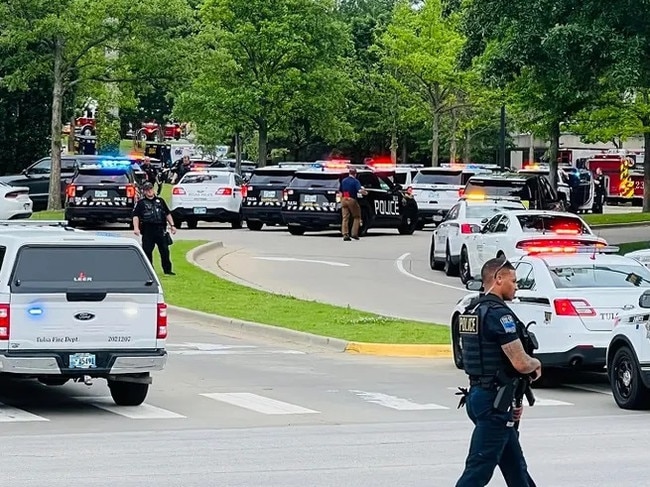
pixel 350 207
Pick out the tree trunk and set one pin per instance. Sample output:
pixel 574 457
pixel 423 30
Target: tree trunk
pixel 467 147
pixel 531 149
pixel 435 139
pixel 453 144
pixel 54 198
pixel 393 146
pixel 404 150
pixel 553 152
pixel 237 153
pixel 646 167
pixel 262 142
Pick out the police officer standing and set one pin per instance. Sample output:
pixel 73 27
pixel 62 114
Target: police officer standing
pixel 601 191
pixel 350 188
pixel 150 218
pixel 493 351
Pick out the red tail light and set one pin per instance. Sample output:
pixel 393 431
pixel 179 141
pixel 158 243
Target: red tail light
pixel 244 191
pixel 130 191
pixel 161 324
pixel 285 195
pixel 573 307
pixel 466 228
pixel 224 192
pixel 70 191
pixel 4 321
pixel 461 192
pixel 178 190
pixel 16 194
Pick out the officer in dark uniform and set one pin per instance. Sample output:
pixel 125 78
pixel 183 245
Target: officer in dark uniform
pixel 601 191
pixel 150 218
pixel 492 349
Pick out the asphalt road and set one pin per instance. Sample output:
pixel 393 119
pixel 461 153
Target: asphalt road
pixel 246 412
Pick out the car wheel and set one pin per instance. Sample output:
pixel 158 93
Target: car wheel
pixel 256 226
pixel 293 230
pixel 450 268
pixel 237 222
pixel 178 223
pixel 465 271
pixel 128 393
pixel 407 227
pixel 456 348
pixel 625 378
pixel 435 265
pixel 365 223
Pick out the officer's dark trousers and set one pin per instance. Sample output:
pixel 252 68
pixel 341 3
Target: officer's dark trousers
pixel 151 238
pixel 493 443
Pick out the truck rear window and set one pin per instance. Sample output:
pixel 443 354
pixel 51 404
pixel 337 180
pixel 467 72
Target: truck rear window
pixel 567 225
pixel 278 178
pixel 55 269
pixel 93 176
pixel 441 177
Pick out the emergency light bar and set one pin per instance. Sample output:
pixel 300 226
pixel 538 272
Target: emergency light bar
pixel 580 249
pixel 34 223
pixel 118 164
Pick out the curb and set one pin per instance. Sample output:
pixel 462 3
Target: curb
pixel 620 225
pixel 238 328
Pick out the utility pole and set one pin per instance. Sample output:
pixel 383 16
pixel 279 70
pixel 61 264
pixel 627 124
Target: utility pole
pixel 237 153
pixel 502 139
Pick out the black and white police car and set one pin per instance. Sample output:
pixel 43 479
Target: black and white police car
pixel 312 201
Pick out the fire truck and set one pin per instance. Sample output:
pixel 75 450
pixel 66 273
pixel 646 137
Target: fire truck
pixel 623 171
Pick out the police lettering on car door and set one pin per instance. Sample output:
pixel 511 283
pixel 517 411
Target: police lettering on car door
pixel 387 207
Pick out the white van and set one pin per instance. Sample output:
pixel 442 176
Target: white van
pixel 79 305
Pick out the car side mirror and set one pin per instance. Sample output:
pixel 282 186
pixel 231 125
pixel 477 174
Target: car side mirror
pixel 644 300
pixel 474 285
pixel 25 172
pixel 484 220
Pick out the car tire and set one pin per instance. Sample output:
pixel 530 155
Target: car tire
pixel 128 393
pixel 450 268
pixel 365 221
pixel 293 230
pixel 456 349
pixel 237 222
pixel 192 223
pixel 625 378
pixel 255 226
pixel 407 227
pixel 464 268
pixel 178 223
pixel 435 265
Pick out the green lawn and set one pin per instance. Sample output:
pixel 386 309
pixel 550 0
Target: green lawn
pixel 632 246
pixel 200 290
pixel 594 220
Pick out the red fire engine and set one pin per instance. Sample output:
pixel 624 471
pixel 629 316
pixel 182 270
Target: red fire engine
pixel 623 175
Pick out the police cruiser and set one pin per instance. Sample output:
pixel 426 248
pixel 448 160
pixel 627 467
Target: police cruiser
pixel 262 195
pixel 78 305
pixel 312 201
pixel 574 295
pixel 101 191
pixel 628 355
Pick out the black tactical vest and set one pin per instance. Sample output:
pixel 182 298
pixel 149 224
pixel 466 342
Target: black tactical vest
pixel 481 357
pixel 153 213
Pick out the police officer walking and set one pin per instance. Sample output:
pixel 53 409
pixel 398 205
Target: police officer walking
pixel 350 188
pixel 150 218
pixel 493 358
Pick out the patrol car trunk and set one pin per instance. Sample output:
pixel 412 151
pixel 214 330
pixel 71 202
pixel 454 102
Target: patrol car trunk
pixel 101 188
pixel 597 308
pixel 72 297
pixel 267 187
pixel 437 193
pixel 312 191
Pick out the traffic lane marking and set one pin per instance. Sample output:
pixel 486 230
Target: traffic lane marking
pixel 143 411
pixel 400 267
pixel 260 404
pixel 9 414
pixel 395 402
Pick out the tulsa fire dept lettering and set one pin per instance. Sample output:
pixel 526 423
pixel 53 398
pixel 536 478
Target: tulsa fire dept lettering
pixel 389 208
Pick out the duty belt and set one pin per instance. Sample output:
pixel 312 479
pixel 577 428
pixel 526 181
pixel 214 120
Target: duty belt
pixel 488 383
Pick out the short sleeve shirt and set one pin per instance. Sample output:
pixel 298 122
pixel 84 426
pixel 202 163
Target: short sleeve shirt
pixel 350 187
pixel 501 325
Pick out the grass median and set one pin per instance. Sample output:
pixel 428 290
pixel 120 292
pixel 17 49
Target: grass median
pixel 614 218
pixel 201 290
pixel 632 246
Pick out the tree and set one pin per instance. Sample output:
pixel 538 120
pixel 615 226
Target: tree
pixel 70 41
pixel 264 61
pixel 422 45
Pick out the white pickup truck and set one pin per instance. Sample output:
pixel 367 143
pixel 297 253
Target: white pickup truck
pixel 78 305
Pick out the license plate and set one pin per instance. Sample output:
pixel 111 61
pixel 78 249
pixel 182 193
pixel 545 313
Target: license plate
pixel 268 194
pixel 101 194
pixel 82 361
pixel 310 198
pixel 200 211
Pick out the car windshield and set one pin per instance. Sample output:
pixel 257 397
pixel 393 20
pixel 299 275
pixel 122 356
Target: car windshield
pixel 304 181
pixel 279 178
pixel 101 176
pixel 552 223
pixel 488 211
pixel 441 177
pixel 596 276
pixel 205 179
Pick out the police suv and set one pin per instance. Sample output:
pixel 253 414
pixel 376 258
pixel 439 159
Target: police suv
pixel 105 190
pixel 262 196
pixel 312 201
pixel 78 305
pixel 575 296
